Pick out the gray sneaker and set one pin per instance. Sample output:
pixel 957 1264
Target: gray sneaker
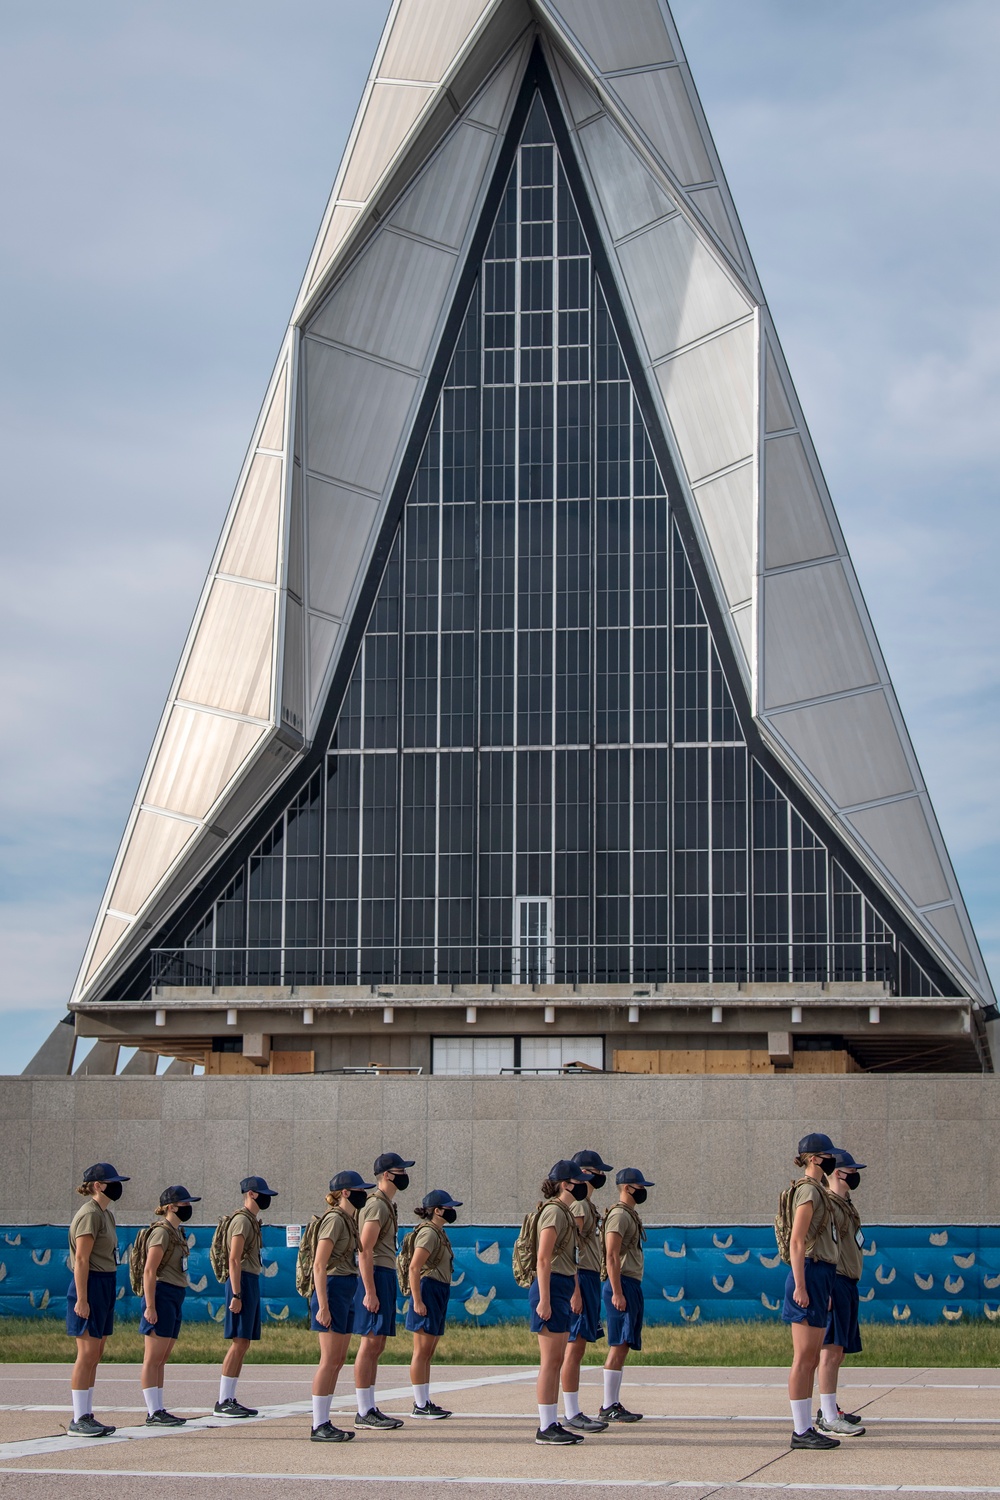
pixel 377 1419
pixel 583 1423
pixel 89 1426
pixel 434 1412
pixel 839 1425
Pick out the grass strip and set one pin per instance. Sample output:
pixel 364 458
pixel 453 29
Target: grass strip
pixel 969 1345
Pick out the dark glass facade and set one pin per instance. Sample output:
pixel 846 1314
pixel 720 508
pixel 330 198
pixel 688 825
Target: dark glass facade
pixel 538 771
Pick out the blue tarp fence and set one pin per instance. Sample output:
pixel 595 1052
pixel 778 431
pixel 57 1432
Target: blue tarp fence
pixel 913 1274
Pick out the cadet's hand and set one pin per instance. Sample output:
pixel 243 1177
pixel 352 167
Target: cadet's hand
pixel 371 1301
pixel 800 1297
pixel 323 1316
pixel 420 1308
pixel 149 1313
pixel 236 1304
pixel 618 1301
pixel 82 1309
pixel 544 1311
pixel 576 1302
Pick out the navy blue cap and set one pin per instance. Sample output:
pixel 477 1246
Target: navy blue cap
pixel 177 1195
pixel 845 1161
pixel 257 1185
pixel 441 1199
pixel 632 1175
pixel 391 1161
pixel 347 1181
pixel 566 1171
pixel 592 1162
pixel 816 1144
pixel 103 1171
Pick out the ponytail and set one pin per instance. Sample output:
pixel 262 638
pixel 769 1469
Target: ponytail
pixel 551 1189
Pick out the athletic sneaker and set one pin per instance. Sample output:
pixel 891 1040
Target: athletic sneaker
pixel 848 1416
pixel 163 1418
pixel 89 1426
pixel 234 1408
pixel 558 1435
pixel 582 1423
pixel 327 1433
pixel 376 1418
pixel 618 1413
pixel 436 1413
pixel 839 1424
pixel 812 1439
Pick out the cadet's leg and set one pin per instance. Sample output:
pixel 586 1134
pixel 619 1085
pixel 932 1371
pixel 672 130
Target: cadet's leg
pixel 156 1352
pixel 88 1357
pixel 366 1370
pixel 551 1352
pixel 332 1353
pixel 235 1355
pixel 424 1345
pixel 806 1345
pixel 569 1376
pixel 831 1358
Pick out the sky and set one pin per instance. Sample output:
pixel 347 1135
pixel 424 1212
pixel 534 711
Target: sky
pixel 163 170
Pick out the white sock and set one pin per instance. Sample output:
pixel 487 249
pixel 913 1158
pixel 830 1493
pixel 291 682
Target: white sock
pixel 80 1404
pixel 801 1415
pixel 151 1396
pixel 829 1406
pixel 421 1394
pixel 546 1416
pixel 571 1401
pixel 159 1398
pixel 90 1401
pixel 227 1388
pixel 321 1410
pixel 366 1399
pixel 612 1386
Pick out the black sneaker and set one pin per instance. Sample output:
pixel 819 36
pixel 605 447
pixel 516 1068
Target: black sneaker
pixel 848 1416
pixel 434 1412
pixel 618 1413
pixel 89 1426
pixel 583 1423
pixel 813 1439
pixel 327 1433
pixel 234 1408
pixel 163 1418
pixel 558 1435
pixel 377 1419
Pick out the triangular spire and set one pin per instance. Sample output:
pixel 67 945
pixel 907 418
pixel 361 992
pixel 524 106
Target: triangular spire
pixel 298 562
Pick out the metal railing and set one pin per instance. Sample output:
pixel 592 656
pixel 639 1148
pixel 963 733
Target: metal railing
pixel 505 963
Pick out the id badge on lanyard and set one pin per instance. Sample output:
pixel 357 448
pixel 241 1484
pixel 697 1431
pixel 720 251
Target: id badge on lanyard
pixel 859 1239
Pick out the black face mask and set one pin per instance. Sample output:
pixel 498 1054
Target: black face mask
pixel 827 1164
pixel 401 1181
pixel 579 1191
pixel 113 1190
pixel 184 1212
pixel 263 1200
pixel 853 1180
pixel 449 1215
pixel 357 1200
pixel 639 1196
pixel 597 1179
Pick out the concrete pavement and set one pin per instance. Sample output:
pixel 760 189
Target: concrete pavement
pixel 706 1432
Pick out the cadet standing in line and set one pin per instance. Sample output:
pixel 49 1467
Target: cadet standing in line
pixel 335 1283
pixel 164 1287
pixel 624 1237
pixel 375 1300
pixel 813 1255
pixel 586 1325
pixel 554 1294
pixel 429 1278
pixel 843 1334
pixel 90 1298
pixel 243 1241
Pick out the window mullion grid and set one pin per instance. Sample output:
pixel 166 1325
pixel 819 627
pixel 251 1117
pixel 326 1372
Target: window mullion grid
pixel 516 580
pixel 438 693
pixel 631 685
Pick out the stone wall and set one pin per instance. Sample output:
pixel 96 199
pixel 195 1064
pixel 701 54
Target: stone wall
pixel 718 1149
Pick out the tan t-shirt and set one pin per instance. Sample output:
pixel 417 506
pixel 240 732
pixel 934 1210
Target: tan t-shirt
pixel 100 1223
pixel 381 1210
pixel 621 1221
pixel 588 1245
pixel 558 1217
pixel 247 1225
pixel 850 1261
pixel 342 1232
pixel 173 1267
pixel 826 1246
pixel 440 1256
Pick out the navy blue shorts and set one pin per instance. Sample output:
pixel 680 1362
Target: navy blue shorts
pixel 587 1325
pixel 626 1327
pixel 340 1292
pixel 102 1290
pixel 820 1276
pixel 560 1291
pixel 380 1325
pixel 246 1323
pixel 435 1295
pixel 844 1329
pixel 169 1311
